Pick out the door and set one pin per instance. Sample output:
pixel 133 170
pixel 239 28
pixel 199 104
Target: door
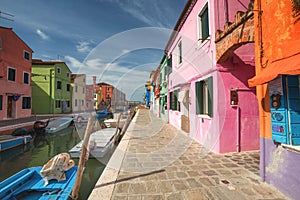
pixel 9 106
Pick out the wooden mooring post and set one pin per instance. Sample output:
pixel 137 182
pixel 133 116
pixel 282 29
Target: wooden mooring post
pixel 83 157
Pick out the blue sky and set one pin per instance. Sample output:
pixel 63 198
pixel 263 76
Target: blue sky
pixel 119 41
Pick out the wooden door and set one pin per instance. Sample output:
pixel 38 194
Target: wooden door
pixel 9 106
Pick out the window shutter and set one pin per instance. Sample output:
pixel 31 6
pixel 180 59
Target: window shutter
pixel 199 100
pixel 210 96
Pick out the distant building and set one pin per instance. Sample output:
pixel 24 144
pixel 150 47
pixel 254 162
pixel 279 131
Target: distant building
pixel 51 87
pixel 89 98
pixel 78 86
pixel 111 97
pixel 15 73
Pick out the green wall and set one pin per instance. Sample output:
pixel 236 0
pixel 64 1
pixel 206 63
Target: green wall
pixel 44 88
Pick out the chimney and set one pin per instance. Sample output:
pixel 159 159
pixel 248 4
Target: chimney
pixel 94 84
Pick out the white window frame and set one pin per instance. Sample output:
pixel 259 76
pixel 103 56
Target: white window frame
pixel 199 25
pixel 179 49
pixel 24 78
pixel 15 74
pixel 24 53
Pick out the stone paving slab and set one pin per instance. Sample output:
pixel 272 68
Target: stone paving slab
pixel 160 162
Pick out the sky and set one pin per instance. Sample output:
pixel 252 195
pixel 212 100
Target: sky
pixel 118 41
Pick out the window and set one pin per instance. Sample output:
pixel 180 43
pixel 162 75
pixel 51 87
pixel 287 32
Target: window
pixel 26 78
pixel 11 74
pixel 180 52
pixel 76 88
pixel 75 102
pixel 174 103
pixel 204 97
pixel 83 90
pixel 26 103
pixel 203 25
pixel 1 97
pixel 68 104
pixel 107 89
pixel 26 55
pixel 82 102
pixel 58 85
pixel 68 75
pixel 68 87
pixel 0 43
pixel 58 70
pixel 57 104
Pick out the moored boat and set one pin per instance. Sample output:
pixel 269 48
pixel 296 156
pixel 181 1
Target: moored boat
pixel 9 141
pixel 39 183
pixel 100 143
pixel 58 124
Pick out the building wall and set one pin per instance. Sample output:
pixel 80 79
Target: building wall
pixel 12 55
pixel 78 95
pixel 199 63
pixel 89 98
pixel 47 89
pixel 41 87
pixel 280 30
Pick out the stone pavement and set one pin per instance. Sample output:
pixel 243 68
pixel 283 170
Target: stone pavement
pixel 154 160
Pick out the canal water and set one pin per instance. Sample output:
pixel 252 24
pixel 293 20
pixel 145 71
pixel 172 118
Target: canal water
pixel 40 150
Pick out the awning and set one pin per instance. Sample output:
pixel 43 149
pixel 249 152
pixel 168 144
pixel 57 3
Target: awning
pixel 289 65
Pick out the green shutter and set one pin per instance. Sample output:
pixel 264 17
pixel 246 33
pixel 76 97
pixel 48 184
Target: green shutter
pixel 199 98
pixel 210 96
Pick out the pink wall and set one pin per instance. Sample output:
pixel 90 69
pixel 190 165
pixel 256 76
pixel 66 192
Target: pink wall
pixel 231 128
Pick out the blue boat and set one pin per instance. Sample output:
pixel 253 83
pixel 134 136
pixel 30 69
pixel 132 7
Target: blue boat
pixel 28 184
pixel 105 114
pixel 9 141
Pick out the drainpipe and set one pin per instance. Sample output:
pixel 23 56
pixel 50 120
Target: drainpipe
pixel 238 134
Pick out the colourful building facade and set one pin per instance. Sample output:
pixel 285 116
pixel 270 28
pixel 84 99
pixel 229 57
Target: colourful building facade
pixel 209 97
pixel 15 73
pixel 78 88
pixel 51 87
pixel 277 46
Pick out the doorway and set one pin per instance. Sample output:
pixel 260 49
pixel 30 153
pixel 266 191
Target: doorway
pixel 11 107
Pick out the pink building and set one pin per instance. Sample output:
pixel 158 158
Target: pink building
pixel 208 85
pixel 15 73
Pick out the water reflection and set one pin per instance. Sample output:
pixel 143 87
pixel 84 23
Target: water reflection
pixel 41 150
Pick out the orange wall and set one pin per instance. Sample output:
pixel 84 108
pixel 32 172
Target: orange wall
pixel 277 36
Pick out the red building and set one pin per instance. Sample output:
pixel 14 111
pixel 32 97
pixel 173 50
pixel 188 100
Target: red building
pixel 107 92
pixel 15 73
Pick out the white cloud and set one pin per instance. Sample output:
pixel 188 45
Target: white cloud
pixel 42 34
pixel 83 47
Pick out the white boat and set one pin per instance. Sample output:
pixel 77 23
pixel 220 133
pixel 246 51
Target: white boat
pixel 112 123
pixel 58 124
pixel 99 144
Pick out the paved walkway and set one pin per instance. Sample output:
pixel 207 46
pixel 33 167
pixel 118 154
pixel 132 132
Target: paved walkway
pixel 156 161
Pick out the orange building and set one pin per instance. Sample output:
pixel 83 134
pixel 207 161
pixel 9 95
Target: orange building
pixel 277 51
pixel 15 73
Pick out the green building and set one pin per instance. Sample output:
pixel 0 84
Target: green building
pixel 51 92
pixel 165 70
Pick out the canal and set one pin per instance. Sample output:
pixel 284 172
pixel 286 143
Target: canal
pixel 40 150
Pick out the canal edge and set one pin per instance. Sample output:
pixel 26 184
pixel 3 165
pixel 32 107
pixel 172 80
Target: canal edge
pixel 106 183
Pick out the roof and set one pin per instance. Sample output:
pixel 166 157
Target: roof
pixel 41 62
pixel 73 76
pixel 11 29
